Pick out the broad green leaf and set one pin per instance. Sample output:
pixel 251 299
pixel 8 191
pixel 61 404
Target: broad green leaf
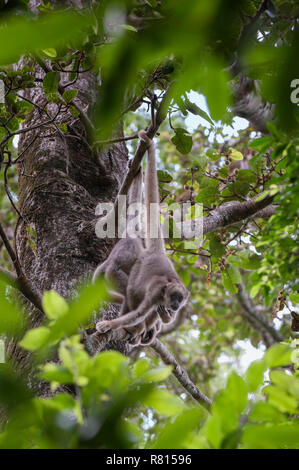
pixel 289 383
pixel 164 176
pixel 80 310
pixel 271 436
pixel 11 318
pixel 54 305
pixel 237 391
pixel 213 432
pixel 22 34
pixel 164 402
pixel 262 143
pixel 235 154
pixel 234 274
pixel 216 247
pixel 228 283
pixel 263 411
pixel 56 373
pixel 171 435
pixel 35 338
pixel 51 82
pixel 157 375
pixel 278 355
pixel 255 375
pixel 128 27
pixel 246 175
pixel 194 109
pixel 50 52
pixel 280 399
pixel 213 154
pixel 215 78
pixel 182 140
pixel 294 298
pixel 69 95
pixel 208 195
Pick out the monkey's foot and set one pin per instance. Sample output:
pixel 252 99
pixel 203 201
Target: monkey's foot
pixel 103 326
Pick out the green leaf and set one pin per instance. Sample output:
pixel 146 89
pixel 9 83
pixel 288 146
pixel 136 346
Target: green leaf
pixel 235 154
pixel 215 78
pixel 227 283
pixel 128 27
pixel 280 399
pixel 56 373
pixel 23 34
pixel 69 95
pixel 237 391
pixel 247 176
pixel 294 298
pixel 35 338
pixel 278 355
pixel 213 154
pixel 216 247
pixel 230 277
pixel 54 305
pixel 80 310
pixel 289 383
pixel 11 318
pixel 164 402
pixel 51 82
pixel 271 436
pixel 255 375
pixel 194 109
pixel 213 432
pixel 164 176
pixel 208 195
pixel 50 52
pixel 157 375
pixel 262 144
pixel 171 435
pixel 265 412
pixel 234 274
pixel 182 140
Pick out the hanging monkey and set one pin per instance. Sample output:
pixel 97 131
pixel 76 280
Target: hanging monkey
pixel 152 281
pixel 118 265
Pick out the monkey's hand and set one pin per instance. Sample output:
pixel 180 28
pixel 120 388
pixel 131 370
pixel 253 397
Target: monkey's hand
pixel 103 326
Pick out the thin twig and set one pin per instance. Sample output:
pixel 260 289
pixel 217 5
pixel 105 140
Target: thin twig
pixel 181 374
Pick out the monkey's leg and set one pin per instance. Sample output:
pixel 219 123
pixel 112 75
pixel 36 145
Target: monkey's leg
pixel 151 334
pixel 135 333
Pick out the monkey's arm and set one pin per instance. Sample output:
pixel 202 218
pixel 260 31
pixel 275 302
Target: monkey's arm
pixel 129 319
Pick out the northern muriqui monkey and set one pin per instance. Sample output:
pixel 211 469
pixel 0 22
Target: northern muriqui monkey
pixel 152 281
pixel 118 265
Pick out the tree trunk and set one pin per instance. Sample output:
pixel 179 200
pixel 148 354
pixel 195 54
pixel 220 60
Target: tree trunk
pixel 61 181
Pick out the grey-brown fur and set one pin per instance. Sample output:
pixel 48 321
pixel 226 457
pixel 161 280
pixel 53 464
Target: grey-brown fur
pixel 152 281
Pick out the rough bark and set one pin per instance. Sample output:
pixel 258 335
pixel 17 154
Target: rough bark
pixel 61 181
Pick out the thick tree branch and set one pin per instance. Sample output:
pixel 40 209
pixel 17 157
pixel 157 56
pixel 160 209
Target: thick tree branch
pixel 10 251
pixel 142 146
pixel 257 321
pixel 181 374
pixel 18 282
pixel 89 128
pixel 229 214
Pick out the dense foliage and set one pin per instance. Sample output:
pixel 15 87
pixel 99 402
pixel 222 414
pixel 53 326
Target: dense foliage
pixel 243 278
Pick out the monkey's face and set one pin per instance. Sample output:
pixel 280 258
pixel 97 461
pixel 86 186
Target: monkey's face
pixel 175 296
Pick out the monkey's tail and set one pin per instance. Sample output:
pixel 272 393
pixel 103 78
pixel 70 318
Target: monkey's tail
pixel 100 269
pixel 152 199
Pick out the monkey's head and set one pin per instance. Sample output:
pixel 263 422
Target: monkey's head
pixel 175 295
